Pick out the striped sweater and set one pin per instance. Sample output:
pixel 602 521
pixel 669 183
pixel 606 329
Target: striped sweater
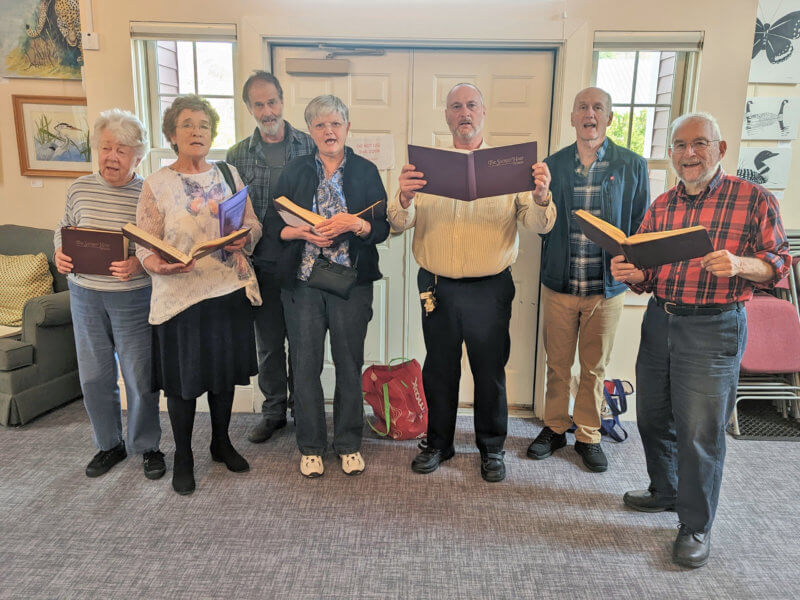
pixel 92 202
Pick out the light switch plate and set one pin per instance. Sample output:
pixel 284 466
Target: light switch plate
pixel 90 41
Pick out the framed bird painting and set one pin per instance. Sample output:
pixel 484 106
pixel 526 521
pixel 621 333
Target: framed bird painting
pixel 52 136
pixel 776 55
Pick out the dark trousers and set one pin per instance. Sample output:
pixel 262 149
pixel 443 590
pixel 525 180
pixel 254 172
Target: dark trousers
pixel 477 312
pixel 270 329
pixel 310 314
pixel 686 375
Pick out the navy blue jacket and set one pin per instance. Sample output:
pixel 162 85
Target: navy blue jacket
pixel 362 187
pixel 625 197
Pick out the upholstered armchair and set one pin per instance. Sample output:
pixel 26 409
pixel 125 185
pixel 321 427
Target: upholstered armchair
pixel 39 369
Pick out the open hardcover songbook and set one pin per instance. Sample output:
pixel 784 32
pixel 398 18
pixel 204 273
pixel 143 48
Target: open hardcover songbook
pixel 170 253
pixel 297 216
pixel 646 250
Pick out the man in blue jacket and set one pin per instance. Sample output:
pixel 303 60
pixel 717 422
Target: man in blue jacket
pixel 581 301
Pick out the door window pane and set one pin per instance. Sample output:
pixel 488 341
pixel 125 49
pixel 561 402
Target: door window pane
pixel 186 67
pixel 226 131
pixel 615 74
pixel 618 130
pixel 647 77
pixel 641 131
pixel 214 72
pixel 654 83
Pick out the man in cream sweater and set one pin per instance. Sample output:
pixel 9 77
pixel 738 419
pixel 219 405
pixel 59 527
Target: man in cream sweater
pixel 465 250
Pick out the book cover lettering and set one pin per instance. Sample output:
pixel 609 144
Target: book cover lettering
pixel 475 174
pixel 93 250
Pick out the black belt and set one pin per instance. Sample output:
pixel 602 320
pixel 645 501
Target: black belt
pixel 468 279
pixel 687 310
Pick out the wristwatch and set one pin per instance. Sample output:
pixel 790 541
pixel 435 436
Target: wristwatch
pixel 549 199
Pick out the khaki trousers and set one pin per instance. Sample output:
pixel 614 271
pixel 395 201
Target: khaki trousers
pixel 588 322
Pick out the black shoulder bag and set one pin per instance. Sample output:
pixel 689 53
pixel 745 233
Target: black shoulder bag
pixel 332 277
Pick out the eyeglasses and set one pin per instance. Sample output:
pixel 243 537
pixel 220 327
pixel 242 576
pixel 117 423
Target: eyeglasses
pixel 335 125
pixel 700 145
pixel 187 126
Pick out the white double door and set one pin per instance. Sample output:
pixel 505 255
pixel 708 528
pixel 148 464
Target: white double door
pixel 402 93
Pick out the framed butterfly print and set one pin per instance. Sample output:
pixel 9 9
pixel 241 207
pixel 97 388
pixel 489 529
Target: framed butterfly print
pixel 776 43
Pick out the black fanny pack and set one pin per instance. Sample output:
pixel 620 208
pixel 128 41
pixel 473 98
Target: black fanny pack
pixel 332 277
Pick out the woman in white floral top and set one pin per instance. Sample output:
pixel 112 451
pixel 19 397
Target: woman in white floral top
pixel 200 312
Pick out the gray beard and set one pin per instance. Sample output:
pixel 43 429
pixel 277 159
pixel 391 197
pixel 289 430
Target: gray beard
pixel 271 129
pixel 470 136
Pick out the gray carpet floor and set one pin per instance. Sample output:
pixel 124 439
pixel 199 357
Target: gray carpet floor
pixel 551 530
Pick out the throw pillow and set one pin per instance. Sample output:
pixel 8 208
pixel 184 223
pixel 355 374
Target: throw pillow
pixel 21 278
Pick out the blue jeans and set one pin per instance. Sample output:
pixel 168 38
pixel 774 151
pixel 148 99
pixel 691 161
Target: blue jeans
pixel 686 374
pixel 105 323
pixel 310 313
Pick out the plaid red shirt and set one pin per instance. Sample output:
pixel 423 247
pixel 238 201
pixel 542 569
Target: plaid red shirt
pixel 741 217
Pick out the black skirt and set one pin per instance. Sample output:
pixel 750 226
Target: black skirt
pixel 209 347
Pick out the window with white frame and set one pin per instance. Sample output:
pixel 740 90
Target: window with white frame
pixel 174 59
pixel 650 82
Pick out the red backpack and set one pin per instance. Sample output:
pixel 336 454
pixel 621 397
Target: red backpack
pixel 397 399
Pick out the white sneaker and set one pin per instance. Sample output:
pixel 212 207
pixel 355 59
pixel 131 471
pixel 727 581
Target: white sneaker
pixel 311 466
pixel 352 464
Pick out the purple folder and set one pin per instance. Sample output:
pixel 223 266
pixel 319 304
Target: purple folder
pixel 475 174
pixel 231 212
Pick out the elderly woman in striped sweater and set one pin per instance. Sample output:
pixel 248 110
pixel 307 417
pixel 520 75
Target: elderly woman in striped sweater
pixel 110 311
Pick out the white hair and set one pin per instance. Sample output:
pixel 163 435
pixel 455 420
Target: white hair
pixel 699 116
pixel 325 105
pixel 124 126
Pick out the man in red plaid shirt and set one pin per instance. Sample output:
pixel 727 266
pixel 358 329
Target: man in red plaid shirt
pixel 695 328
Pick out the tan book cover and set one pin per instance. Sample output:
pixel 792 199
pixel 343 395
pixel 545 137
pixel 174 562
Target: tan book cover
pixel 170 253
pixel 646 250
pixel 296 216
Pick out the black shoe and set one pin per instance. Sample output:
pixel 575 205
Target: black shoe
pixel 153 464
pixel 105 459
pixel 593 456
pixel 183 475
pixel 429 459
pixel 264 430
pixel 225 452
pixel 645 501
pixel 547 442
pixel 493 467
pixel 691 548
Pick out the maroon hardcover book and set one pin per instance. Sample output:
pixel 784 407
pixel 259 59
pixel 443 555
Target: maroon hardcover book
pixel 93 250
pixel 475 174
